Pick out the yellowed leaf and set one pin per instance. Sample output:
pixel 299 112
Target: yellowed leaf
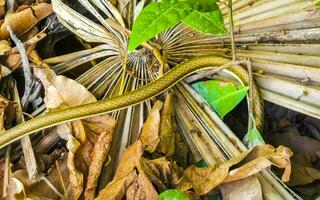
pixel 116 189
pixel 203 180
pixel 167 132
pixel 150 131
pixel 141 188
pixel 162 173
pixel 129 160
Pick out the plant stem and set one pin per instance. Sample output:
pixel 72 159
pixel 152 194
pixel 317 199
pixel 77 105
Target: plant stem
pixel 233 48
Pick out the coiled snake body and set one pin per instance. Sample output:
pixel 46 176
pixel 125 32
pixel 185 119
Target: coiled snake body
pixel 104 106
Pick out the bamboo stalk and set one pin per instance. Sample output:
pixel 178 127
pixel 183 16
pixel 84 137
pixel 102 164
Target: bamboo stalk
pixel 290 88
pixel 282 69
pixel 274 12
pixel 291 104
pixel 312 61
pixel 288 21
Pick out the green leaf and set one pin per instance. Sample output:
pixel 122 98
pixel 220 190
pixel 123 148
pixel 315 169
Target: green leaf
pixel 156 18
pixel 172 195
pixel 253 138
pixel 206 22
pixel 221 96
pixel 200 5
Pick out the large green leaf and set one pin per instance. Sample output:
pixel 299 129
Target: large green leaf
pixel 206 22
pixel 156 18
pixel 172 195
pixel 221 96
pixel 200 5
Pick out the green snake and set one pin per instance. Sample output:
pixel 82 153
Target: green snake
pixel 153 89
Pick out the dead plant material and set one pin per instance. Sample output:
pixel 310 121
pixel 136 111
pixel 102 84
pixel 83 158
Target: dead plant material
pixel 150 131
pixel 203 180
pixel 24 20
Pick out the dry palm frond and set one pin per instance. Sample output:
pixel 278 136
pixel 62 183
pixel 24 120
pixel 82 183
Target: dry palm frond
pixel 281 38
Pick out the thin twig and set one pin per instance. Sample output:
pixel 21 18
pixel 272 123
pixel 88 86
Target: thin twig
pixel 249 68
pixel 6 173
pixel 233 48
pixel 47 181
pixel 61 179
pixel 26 67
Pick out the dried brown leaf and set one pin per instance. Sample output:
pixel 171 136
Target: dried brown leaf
pixel 203 180
pixel 3 104
pixel 61 91
pixel 129 160
pixel 116 189
pixel 88 139
pixel 167 129
pixel 150 131
pixel 292 139
pixel 24 20
pixel 248 188
pixel 303 172
pixel 162 173
pixel 141 188
pixel 41 189
pixel 99 152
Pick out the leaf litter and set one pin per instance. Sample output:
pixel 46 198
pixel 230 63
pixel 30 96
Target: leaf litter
pixel 157 163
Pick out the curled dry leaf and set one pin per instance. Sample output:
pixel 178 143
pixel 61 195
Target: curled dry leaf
pixel 248 188
pixel 129 160
pixel 116 189
pixel 303 172
pixel 125 173
pixel 99 152
pixel 141 188
pixel 299 144
pixel 162 173
pixel 88 140
pixel 24 20
pixel 203 180
pixel 150 131
pixel 167 130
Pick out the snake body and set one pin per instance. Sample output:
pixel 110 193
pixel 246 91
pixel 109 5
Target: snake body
pixel 135 97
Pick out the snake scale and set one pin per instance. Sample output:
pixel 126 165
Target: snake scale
pixel 137 96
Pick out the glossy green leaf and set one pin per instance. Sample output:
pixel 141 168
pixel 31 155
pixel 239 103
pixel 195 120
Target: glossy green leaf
pixel 221 96
pixel 156 18
pixel 254 136
pixel 172 195
pixel 200 5
pixel 206 22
